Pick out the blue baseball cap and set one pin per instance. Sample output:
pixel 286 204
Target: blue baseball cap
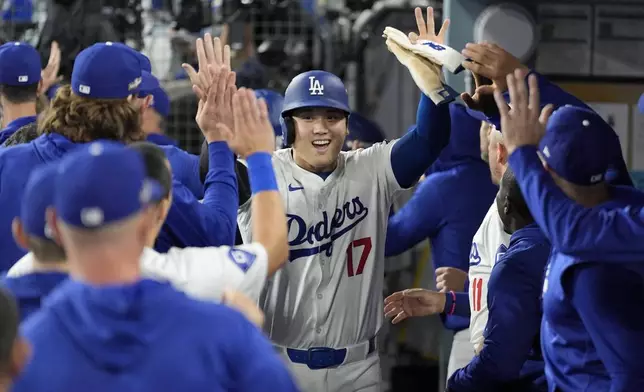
pixel 579 145
pixel 160 101
pixel 19 64
pixel 102 183
pixel 144 61
pixel 37 197
pixel 106 71
pixel 640 103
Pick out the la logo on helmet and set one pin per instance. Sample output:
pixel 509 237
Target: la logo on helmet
pixel 315 87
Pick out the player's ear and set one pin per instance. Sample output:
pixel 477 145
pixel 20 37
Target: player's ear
pixel 19 234
pixel 52 226
pixel 20 354
pixel 501 154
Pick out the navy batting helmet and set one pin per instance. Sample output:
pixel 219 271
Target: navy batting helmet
pixel 275 102
pixel 312 89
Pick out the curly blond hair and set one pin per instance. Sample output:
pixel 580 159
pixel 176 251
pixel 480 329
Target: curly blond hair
pixel 83 120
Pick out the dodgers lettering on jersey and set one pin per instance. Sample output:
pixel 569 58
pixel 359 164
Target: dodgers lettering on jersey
pixel 324 232
pixel 329 294
pixel 489 242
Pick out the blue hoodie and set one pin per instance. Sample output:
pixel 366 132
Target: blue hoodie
pixel 30 289
pixel 511 358
pixel 591 339
pixel 145 337
pixel 17 162
pixel 449 205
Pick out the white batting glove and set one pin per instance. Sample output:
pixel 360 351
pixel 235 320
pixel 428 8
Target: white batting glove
pixel 428 76
pixel 436 53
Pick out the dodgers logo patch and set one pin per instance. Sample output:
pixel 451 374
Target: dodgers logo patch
pixel 242 258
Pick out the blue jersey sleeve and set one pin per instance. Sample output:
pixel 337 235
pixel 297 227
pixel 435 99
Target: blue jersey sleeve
pixel 185 169
pixel 418 219
pixel 457 304
pixel 255 364
pixel 512 328
pixel 616 326
pixel 418 149
pixel 571 228
pixel 549 93
pixel 213 221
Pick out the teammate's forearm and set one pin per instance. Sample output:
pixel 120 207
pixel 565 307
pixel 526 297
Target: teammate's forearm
pixel 220 194
pixel 582 232
pixel 415 152
pixel 269 216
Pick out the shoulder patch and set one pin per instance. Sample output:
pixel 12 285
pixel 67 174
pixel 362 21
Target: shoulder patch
pixel 242 258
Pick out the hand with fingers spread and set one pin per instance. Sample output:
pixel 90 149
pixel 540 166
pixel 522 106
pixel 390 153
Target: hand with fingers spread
pixel 524 122
pixel 492 61
pixel 483 98
pixel 449 278
pixel 210 53
pixel 413 303
pixel 252 130
pixel 427 30
pixel 49 75
pixel 217 106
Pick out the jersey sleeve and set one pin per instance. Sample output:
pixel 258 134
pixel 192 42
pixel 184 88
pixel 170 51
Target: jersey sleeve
pixel 204 273
pixel 377 160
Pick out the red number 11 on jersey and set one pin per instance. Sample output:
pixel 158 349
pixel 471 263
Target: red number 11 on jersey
pixel 477 292
pixel 365 243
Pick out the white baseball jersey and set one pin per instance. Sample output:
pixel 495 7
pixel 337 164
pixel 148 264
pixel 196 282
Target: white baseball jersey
pixel 329 294
pixel 486 242
pixel 202 273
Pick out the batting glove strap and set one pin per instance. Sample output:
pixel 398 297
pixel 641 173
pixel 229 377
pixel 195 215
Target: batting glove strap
pixel 443 95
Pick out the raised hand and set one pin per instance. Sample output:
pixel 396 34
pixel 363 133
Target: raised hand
pixel 492 61
pixel 49 74
pixel 252 130
pixel 217 106
pixel 523 122
pixel 413 303
pixel 426 29
pixel 483 97
pixel 210 53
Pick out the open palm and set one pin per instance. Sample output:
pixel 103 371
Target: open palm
pixel 426 29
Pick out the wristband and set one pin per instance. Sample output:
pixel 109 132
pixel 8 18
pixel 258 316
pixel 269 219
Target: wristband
pixel 453 308
pixel 444 94
pixel 260 173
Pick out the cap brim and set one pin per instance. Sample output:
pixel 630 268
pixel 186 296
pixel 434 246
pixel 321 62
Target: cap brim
pixel 148 83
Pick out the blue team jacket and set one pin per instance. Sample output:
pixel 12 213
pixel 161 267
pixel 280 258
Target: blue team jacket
pixel 511 358
pixel 211 222
pixel 161 139
pixel 591 339
pixel 13 126
pixel 145 337
pixel 449 205
pixel 29 290
pixel 586 233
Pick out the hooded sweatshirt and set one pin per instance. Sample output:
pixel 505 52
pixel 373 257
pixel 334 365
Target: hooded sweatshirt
pixel 145 337
pixel 29 290
pixel 449 205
